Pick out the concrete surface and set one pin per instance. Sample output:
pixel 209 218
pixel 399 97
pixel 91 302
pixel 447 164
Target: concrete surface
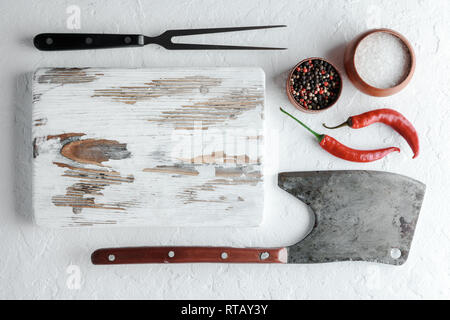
pixel 55 264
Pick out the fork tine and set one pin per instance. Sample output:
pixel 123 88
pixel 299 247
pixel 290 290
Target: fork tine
pixel 187 32
pixel 188 46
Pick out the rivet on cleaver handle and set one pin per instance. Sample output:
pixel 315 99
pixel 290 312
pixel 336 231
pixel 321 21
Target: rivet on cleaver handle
pixel 134 255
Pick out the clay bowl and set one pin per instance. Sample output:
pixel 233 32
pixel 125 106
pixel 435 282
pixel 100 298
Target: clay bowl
pixel 298 105
pixel 355 78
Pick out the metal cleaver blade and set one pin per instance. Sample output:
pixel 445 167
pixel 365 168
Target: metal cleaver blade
pixel 359 215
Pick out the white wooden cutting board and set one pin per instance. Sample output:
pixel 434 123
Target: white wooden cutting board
pixel 148 147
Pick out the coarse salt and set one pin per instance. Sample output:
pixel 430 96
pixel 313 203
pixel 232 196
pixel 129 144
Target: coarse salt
pixel 382 60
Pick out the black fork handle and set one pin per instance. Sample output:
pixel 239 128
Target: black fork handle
pixel 82 41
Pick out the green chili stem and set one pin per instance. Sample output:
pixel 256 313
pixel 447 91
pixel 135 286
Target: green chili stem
pixel 339 126
pixel 318 136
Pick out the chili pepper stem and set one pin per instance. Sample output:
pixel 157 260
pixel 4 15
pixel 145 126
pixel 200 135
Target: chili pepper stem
pixel 318 136
pixel 338 126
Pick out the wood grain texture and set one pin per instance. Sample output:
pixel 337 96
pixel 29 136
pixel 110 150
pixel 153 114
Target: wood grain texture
pixel 148 147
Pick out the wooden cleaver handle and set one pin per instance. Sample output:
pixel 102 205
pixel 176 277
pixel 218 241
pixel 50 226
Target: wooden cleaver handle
pixel 188 255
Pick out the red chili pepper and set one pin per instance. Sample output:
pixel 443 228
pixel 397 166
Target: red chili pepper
pixel 339 150
pixel 389 117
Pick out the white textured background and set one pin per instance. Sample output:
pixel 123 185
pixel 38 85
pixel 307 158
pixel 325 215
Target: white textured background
pixel 35 262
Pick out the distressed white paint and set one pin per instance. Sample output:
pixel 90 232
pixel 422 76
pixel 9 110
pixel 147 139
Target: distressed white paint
pixel 194 136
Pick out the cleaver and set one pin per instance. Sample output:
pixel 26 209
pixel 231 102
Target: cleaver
pixel 359 216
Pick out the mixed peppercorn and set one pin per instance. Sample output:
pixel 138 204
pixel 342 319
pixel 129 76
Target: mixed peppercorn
pixel 315 84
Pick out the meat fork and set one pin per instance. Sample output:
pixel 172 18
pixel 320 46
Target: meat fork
pixel 79 41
